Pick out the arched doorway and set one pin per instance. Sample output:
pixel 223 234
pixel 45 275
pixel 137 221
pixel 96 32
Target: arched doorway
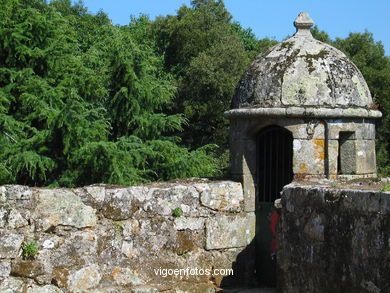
pixel 274 152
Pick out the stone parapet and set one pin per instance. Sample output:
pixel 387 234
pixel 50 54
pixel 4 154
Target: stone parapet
pixel 333 240
pixel 103 238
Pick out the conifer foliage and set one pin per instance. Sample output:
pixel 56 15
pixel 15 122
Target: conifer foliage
pixel 83 101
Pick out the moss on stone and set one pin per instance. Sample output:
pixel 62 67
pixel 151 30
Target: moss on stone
pixel 310 57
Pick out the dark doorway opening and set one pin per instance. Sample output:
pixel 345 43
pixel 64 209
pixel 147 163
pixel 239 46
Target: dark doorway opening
pixel 274 170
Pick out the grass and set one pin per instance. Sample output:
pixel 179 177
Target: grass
pixel 30 250
pixel 386 187
pixel 177 212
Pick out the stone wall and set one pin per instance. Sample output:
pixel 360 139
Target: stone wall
pixel 334 240
pixel 114 239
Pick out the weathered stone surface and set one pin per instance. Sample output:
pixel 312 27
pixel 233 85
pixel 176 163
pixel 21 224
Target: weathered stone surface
pixel 50 242
pixel 314 228
pixel 310 112
pixel 85 278
pixel 186 241
pixel 92 195
pixel 333 149
pixel 97 192
pixel 43 289
pixel 348 157
pixel 183 223
pixel 333 240
pixel 109 290
pixel 16 220
pixel 129 250
pixel 119 204
pixel 11 285
pixel 248 182
pixel 10 245
pixel 362 129
pixel 83 250
pixel 12 192
pixel 3 197
pixel 3 217
pixel 308 156
pixel 75 250
pixel 365 157
pixel 60 276
pixel 145 290
pixel 240 160
pixel 229 231
pixel 125 277
pixel 27 268
pixel 165 200
pixel 130 228
pixel 298 71
pixel 5 269
pixel 222 197
pixel 63 207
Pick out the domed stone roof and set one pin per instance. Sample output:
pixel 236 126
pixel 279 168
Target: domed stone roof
pixel 303 72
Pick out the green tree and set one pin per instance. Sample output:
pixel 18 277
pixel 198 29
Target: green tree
pixel 207 53
pixel 83 101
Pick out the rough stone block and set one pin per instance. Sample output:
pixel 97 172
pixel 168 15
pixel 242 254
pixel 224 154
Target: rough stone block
pixel 249 188
pixel 16 192
pixel 243 156
pixel 308 156
pixel 63 207
pixel 3 217
pixel 125 276
pixel 236 130
pixel 27 268
pixel 85 278
pixel 10 245
pixel 230 231
pixel 184 223
pixel 12 285
pixel 130 228
pixel 362 130
pixel 224 196
pixel 365 157
pixel 333 149
pixel 312 129
pixel 5 269
pixel 92 195
pixel 16 220
pixel 60 276
pixel 144 289
pixel 348 157
pixel 43 289
pixel 3 197
pixel 119 204
pixel 164 200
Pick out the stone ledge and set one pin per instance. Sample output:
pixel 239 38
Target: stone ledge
pixel 308 112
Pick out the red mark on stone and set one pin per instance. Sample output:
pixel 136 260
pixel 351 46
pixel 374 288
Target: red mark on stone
pixel 274 221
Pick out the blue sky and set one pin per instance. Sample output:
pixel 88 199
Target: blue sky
pixel 271 18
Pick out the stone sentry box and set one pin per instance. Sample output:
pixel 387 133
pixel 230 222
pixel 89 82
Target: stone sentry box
pixel 315 92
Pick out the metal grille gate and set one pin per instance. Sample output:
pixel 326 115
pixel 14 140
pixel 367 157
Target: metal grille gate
pixel 274 170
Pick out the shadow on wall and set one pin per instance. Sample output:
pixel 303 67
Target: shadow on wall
pixel 243 270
